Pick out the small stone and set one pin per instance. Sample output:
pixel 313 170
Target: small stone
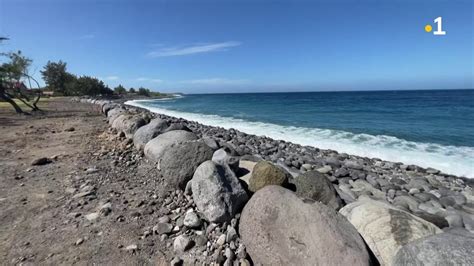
pixel 131 248
pixel 192 220
pixel 241 252
pixel 325 169
pixel 163 228
pixel 176 261
pixel 92 170
pixel 200 240
pixel 69 129
pixel 244 262
pixel 105 209
pixel 164 219
pixel 92 216
pixel 231 234
pixel 221 240
pixel 182 243
pixel 41 161
pixel 79 241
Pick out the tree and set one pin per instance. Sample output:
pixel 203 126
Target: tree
pixel 13 74
pixel 120 90
pixel 86 85
pixel 144 92
pixel 131 90
pixel 55 76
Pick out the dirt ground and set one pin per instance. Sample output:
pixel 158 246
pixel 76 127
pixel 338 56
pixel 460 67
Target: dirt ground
pixel 44 209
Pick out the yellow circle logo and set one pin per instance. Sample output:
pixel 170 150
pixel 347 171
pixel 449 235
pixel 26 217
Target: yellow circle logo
pixel 428 28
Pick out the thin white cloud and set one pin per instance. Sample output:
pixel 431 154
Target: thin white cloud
pixel 216 81
pixel 109 78
pixel 193 49
pixel 150 80
pixel 86 37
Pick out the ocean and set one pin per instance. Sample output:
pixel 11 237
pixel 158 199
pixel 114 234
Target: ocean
pixel 427 128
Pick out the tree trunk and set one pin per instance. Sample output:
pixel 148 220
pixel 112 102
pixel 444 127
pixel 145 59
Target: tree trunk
pixel 9 100
pixel 38 96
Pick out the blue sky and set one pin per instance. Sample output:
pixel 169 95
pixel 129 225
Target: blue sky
pixel 249 46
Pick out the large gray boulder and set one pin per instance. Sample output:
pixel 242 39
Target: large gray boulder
pixel 114 113
pixel 441 249
pixel 221 156
pixel 385 228
pixel 147 132
pixel 315 186
pixel 279 228
pixel 217 192
pixel 128 124
pixel 156 147
pixel 180 160
pixel 107 107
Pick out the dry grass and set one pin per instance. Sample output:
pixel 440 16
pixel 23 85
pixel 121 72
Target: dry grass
pixel 42 102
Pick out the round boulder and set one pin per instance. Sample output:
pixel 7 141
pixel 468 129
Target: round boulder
pixel 385 228
pixel 217 192
pixel 155 148
pixel 128 124
pixel 114 113
pixel 265 173
pixel 107 107
pixel 180 160
pixel 315 186
pixel 147 132
pixel 278 228
pixel 441 249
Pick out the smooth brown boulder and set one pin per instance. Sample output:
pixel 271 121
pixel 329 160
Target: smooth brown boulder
pixel 265 173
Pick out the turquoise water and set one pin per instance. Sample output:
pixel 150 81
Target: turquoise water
pixel 428 128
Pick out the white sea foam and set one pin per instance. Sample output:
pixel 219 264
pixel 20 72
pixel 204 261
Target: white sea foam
pixel 449 159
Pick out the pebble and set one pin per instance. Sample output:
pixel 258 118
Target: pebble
pixel 105 209
pixel 231 234
pixel 325 169
pixel 163 228
pixel 176 261
pixel 92 216
pixel 182 243
pixel 221 240
pixel 192 220
pixel 131 248
pixel 41 161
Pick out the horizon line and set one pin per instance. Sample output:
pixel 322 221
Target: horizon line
pixel 377 90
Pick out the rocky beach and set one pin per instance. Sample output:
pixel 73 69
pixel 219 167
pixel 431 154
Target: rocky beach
pixel 100 182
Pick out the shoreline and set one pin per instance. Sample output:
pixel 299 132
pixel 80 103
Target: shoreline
pixel 196 194
pixel 242 179
pixel 356 150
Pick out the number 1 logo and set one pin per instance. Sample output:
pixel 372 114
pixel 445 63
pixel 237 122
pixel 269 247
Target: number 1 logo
pixel 439 30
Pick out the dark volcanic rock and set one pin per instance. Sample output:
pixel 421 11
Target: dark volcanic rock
pixel 180 160
pixel 41 161
pixel 315 186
